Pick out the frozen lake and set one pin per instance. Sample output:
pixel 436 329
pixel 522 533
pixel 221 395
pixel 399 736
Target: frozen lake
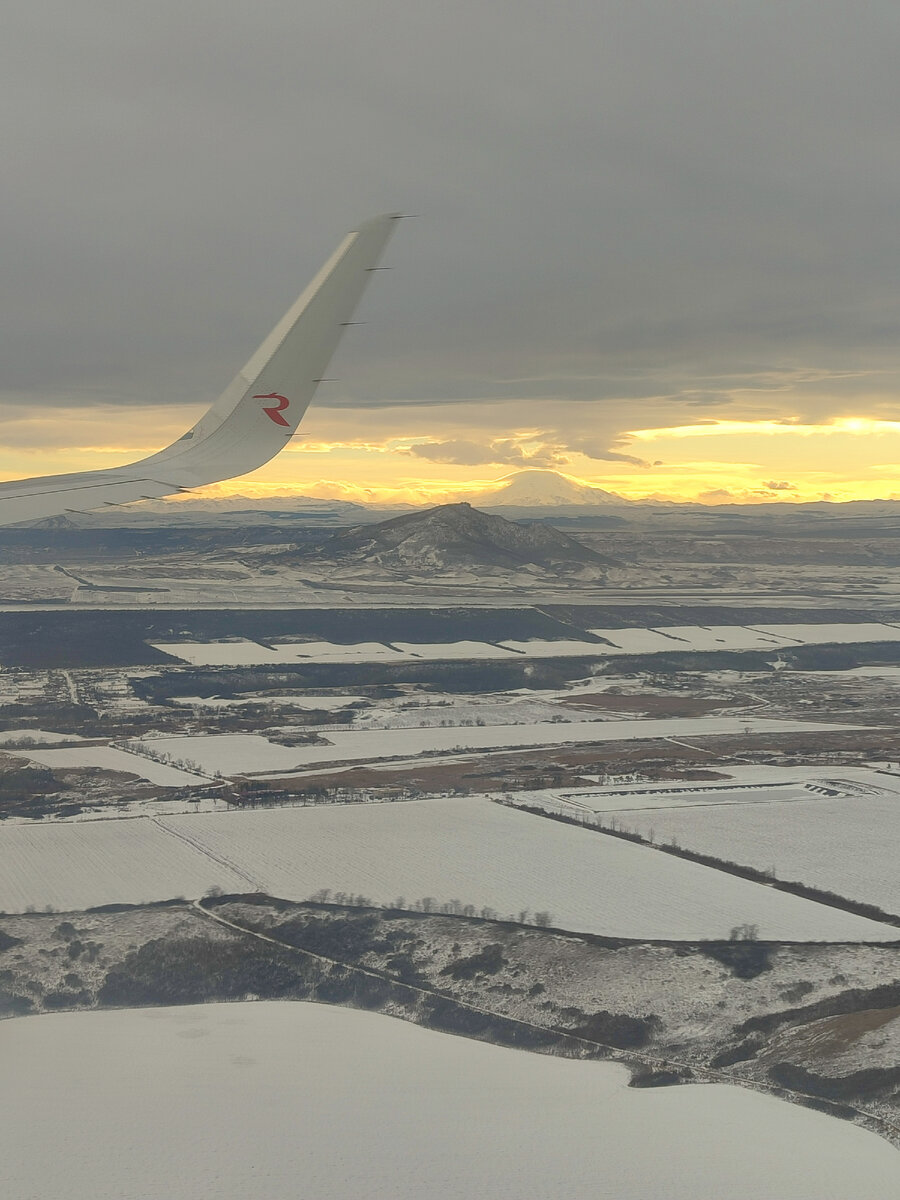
pixel 288 1099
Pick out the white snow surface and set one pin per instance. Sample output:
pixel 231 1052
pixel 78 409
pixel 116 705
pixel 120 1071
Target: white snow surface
pixel 467 849
pixel 79 864
pixel 639 641
pixel 12 737
pixel 356 652
pixel 323 703
pixel 846 845
pixel 234 753
pixel 564 648
pixel 108 758
pixel 491 856
pixel 229 753
pixel 669 638
pixel 334 1103
pixel 239 652
pixel 242 652
pixel 449 650
pixel 661 639
pixel 838 633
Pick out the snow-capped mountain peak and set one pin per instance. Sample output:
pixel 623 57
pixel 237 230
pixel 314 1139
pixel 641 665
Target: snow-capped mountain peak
pixel 543 489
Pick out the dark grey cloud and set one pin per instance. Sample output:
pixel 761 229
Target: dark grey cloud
pixel 621 202
pixel 502 452
pixel 594 448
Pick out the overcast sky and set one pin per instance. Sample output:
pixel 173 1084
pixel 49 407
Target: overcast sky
pixel 636 217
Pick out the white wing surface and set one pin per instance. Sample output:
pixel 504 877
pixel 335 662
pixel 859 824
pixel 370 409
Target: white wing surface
pixel 253 419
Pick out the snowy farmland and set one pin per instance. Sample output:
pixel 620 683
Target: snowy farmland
pixel 313 1080
pixel 108 758
pixel 658 640
pixel 35 737
pixel 846 845
pixel 495 857
pixel 237 652
pixel 249 753
pixel 464 849
pixel 669 638
pixel 79 864
pixel 229 753
pixel 323 703
pixel 241 652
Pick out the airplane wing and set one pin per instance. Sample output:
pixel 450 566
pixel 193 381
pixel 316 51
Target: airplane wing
pixel 254 418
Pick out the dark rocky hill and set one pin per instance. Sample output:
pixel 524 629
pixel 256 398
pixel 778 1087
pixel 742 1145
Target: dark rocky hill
pixel 457 537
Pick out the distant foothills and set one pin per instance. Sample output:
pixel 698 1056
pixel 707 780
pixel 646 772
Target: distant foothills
pixel 541 495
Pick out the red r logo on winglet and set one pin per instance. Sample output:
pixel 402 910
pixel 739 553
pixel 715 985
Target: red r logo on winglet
pixel 274 411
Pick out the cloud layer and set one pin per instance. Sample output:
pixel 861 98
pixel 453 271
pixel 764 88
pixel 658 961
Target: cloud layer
pixel 633 217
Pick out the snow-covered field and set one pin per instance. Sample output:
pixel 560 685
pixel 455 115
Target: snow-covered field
pixel 237 653
pixel 42 737
pixel 229 753
pixel 323 703
pixel 490 856
pixel 356 652
pixel 846 845
pixel 110 759
pixel 234 753
pixel 451 650
pixel 538 648
pixel 742 637
pixel 335 1103
pixel 654 798
pixel 640 641
pixel 241 652
pixel 664 639
pixel 78 864
pixel 465 849
pixel 724 637
pixel 528 709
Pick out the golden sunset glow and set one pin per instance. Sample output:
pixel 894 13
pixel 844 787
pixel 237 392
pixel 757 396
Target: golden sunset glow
pixel 422 457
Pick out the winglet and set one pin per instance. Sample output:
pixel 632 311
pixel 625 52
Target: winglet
pixel 255 416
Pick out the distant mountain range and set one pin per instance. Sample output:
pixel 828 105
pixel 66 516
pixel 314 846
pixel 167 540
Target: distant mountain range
pixel 546 496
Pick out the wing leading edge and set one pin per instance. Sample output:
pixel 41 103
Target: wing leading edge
pixel 253 419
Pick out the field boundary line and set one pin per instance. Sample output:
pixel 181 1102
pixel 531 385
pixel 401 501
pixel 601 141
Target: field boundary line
pixel 857 908
pixel 206 852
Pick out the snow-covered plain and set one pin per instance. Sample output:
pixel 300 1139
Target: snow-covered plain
pixel 356 652
pixel 270 1100
pixel 42 737
pixel 846 845
pixel 491 856
pixel 452 650
pixel 742 637
pixel 564 648
pixel 233 753
pixel 844 634
pixel 466 849
pixel 229 753
pixel 241 652
pixel 323 703
pixel 79 864
pixel 108 758
pixel 639 641
pixel 662 639
pixel 237 653
pixel 652 799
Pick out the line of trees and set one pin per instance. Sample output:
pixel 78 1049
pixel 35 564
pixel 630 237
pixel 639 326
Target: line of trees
pixel 429 904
